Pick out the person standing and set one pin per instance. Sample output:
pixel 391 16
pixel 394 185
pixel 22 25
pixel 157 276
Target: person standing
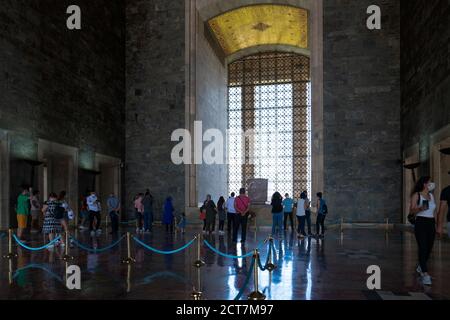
pixel 444 211
pixel 423 206
pixel 23 211
pixel 64 219
pixel 139 207
pixel 84 212
pixel 147 202
pixel 288 205
pixel 36 208
pixel 94 213
pixel 231 213
pixel 301 216
pixel 242 207
pixel 222 214
pixel 113 205
pixel 308 213
pixel 168 216
pixel 211 212
pixel 277 212
pixel 322 210
pixel 51 225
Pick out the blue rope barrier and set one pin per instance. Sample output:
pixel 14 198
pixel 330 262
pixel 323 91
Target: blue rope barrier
pixel 227 255
pixel 96 250
pixel 35 249
pixel 247 280
pixel 164 252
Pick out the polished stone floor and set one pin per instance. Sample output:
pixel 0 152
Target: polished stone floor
pixel 334 268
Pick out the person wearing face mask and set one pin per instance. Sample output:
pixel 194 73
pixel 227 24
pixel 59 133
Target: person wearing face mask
pixel 423 206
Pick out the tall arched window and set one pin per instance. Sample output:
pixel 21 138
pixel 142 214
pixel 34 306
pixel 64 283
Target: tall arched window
pixel 269 96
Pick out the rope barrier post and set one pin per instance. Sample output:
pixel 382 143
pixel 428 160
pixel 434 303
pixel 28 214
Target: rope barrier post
pixel 256 295
pixel 342 225
pixel 199 263
pixel 67 257
pixel 387 224
pixel 11 254
pixel 129 259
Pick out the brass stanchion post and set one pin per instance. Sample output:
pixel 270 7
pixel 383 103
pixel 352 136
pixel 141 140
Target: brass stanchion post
pixel 199 263
pixel 10 254
pixel 129 259
pixel 67 257
pixel 256 295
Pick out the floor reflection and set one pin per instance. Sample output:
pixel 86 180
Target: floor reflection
pixel 307 269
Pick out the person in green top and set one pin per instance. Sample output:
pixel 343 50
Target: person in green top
pixel 23 210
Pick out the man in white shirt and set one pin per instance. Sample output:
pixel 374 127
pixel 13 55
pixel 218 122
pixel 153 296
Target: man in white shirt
pixel 94 213
pixel 231 212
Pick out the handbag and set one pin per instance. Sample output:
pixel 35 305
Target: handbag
pixel 412 216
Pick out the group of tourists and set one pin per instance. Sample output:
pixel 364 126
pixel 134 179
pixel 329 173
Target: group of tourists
pixel 428 220
pixel 236 210
pixel 143 205
pixel 54 214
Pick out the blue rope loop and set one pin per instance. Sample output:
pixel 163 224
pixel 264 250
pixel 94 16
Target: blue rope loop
pixel 146 246
pixel 35 249
pixel 261 267
pixel 96 250
pixel 247 280
pixel 227 255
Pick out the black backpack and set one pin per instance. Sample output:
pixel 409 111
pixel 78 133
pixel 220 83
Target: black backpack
pixel 59 211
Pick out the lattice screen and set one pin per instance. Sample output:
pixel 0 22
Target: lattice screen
pixel 270 94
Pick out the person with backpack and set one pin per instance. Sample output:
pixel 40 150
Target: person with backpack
pixel 277 213
pixel 322 211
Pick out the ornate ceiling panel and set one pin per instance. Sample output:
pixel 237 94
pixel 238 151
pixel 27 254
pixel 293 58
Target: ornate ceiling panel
pixel 263 24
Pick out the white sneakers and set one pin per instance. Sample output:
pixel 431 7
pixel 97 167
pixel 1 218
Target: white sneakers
pixel 426 278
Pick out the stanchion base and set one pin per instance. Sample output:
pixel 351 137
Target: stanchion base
pixel 10 256
pixel 270 267
pixel 256 296
pixel 128 260
pixel 199 264
pixel 196 295
pixel 67 258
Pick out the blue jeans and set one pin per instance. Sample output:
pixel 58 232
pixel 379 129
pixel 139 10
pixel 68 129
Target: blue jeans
pixel 277 221
pixel 301 225
pixel 148 220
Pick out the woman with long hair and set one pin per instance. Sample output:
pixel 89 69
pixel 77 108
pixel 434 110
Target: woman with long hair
pixel 423 207
pixel 277 212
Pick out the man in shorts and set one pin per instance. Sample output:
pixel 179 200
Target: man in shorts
pixel 23 211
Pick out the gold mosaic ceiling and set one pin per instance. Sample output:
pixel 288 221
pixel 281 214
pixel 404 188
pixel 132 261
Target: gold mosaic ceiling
pixel 255 25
